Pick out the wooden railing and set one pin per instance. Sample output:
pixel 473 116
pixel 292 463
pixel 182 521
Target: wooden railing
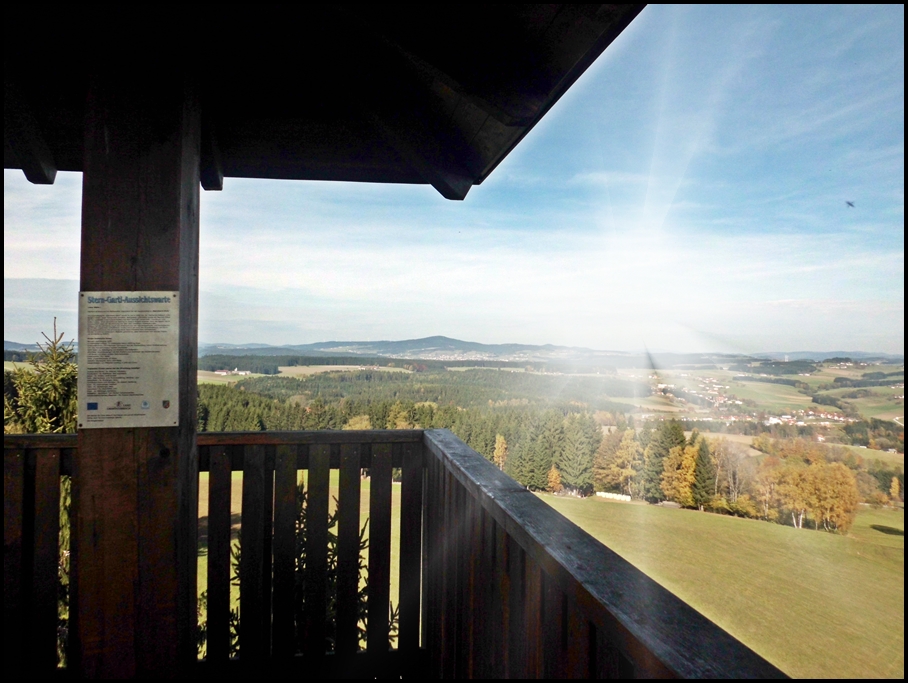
pixel 493 582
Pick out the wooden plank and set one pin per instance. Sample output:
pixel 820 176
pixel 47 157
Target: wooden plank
pixel 267 545
pixel 379 550
pixel 252 645
pixel 285 475
pixel 13 442
pixel 411 497
pixel 474 579
pixel 552 629
pixel 432 567
pixel 465 598
pixel 449 581
pixel 516 645
pixel 348 551
pixel 45 564
pixel 317 552
pixel 219 483
pixel 533 618
pixel 13 494
pixel 104 569
pixel 486 625
pixel 502 594
pixel 577 661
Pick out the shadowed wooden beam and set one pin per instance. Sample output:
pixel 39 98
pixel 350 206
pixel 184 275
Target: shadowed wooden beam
pixel 412 143
pixel 22 133
pixel 135 490
pixel 212 170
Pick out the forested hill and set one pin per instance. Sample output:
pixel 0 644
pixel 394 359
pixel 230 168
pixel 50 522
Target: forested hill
pixel 466 388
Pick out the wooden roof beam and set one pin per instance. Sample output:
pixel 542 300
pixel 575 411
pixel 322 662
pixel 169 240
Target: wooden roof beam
pixel 23 135
pixel 211 170
pixel 430 72
pixel 446 175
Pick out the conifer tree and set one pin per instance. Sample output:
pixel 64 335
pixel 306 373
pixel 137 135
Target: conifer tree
pixel 581 439
pixel 669 435
pixel 621 469
pixel 704 475
pixel 43 399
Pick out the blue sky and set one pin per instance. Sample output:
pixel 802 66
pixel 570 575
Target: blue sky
pixel 688 194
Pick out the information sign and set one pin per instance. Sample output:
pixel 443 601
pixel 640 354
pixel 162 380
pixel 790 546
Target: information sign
pixel 128 359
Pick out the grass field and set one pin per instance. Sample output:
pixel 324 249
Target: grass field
pixel 775 397
pixel 303 370
pixel 739 439
pixel 9 366
pixel 207 377
pixel 815 604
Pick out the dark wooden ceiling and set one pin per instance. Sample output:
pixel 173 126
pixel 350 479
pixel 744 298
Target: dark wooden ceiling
pixel 368 93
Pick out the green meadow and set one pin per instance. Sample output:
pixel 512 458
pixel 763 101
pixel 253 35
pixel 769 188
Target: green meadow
pixel 815 604
pixel 775 397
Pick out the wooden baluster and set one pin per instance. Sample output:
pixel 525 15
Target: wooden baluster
pixel 432 568
pixel 516 611
pixel 379 554
pixel 478 646
pixel 449 579
pixel 348 553
pixel 485 626
pixel 252 646
pixel 284 551
pixel 267 545
pixel 577 663
pixel 317 554
pixel 554 632
pixel 45 560
pixel 464 615
pixel 475 580
pixel 533 618
pixel 13 521
pixel 411 497
pixel 219 484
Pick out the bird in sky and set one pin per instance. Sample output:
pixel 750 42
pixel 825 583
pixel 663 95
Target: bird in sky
pixel 851 204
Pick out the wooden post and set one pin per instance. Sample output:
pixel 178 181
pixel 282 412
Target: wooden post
pixel 135 490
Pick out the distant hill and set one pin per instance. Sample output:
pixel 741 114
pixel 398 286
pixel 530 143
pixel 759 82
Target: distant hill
pixel 446 348
pixel 823 355
pixel 16 346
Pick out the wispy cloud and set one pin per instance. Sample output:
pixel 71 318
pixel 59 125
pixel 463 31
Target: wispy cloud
pixel 687 193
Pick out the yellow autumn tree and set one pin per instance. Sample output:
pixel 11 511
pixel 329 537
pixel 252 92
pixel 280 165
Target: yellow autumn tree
pixel 679 474
pixel 359 422
pixel 554 480
pixel 500 456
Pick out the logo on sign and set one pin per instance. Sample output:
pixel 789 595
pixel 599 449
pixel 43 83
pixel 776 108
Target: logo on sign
pixel 92 406
pixel 145 405
pixel 166 404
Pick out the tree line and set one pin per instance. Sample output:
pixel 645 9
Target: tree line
pixel 796 481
